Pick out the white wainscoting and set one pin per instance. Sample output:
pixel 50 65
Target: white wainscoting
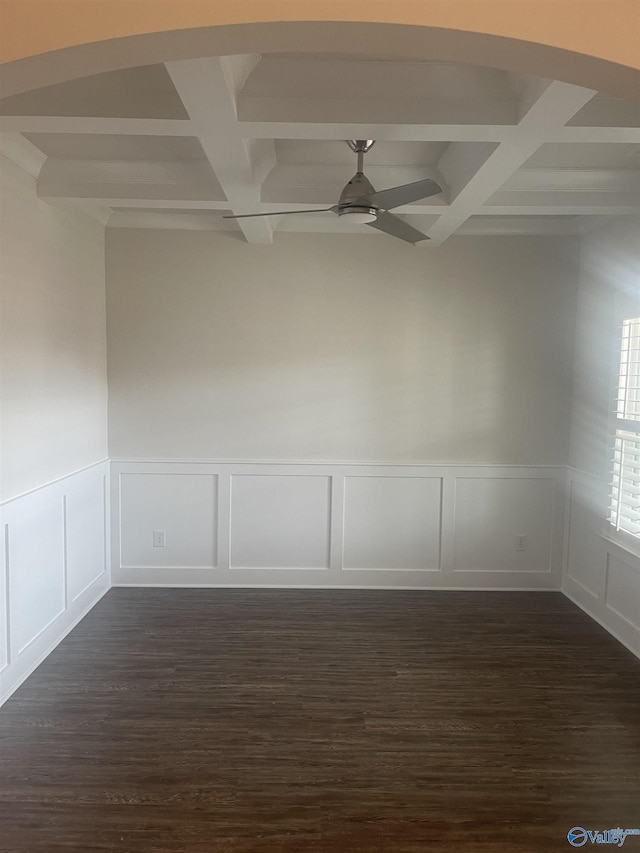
pixel 599 575
pixel 335 525
pixel 302 525
pixel 54 567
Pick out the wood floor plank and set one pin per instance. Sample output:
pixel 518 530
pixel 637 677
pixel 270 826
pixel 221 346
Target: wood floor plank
pixel 233 721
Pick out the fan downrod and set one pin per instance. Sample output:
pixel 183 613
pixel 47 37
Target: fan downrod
pixel 360 147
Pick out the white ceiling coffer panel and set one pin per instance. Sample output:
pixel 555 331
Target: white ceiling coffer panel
pixel 145 92
pixel 84 146
pixel 289 89
pixel 333 152
pixel 184 144
pixel 604 111
pixel 121 179
pixel 612 155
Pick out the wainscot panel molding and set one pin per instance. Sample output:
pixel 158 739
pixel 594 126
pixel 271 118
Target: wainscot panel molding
pixel 365 525
pixel 54 567
pixel 235 524
pixel 599 575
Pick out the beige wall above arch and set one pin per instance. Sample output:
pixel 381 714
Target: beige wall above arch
pixel 594 43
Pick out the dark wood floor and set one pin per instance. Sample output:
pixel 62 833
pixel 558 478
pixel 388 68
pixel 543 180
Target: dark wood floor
pixel 283 720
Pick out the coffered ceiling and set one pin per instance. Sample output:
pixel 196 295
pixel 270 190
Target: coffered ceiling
pixel 180 145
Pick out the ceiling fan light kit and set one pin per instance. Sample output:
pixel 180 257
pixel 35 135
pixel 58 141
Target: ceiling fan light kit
pixel 360 215
pixel 360 203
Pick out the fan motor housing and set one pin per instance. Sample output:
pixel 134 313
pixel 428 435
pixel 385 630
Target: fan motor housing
pixel 358 186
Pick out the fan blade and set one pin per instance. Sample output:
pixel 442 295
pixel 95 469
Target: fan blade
pixel 282 213
pixel 396 227
pixel 394 197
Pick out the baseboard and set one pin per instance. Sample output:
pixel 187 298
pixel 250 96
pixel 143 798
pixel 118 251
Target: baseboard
pixel 329 587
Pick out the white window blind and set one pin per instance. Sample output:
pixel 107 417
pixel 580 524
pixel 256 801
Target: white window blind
pixel 625 482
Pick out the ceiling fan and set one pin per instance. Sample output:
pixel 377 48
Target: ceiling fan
pixel 360 203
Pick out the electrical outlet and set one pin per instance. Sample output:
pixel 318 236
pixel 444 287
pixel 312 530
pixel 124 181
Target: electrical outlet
pixel 521 543
pixel 159 540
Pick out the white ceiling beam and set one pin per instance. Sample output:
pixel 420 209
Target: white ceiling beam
pixel 90 124
pixel 208 89
pixel 593 134
pixel 430 132
pixel 495 170
pixel 545 106
pixel 381 131
pixel 555 104
pixel 461 161
pixel 22 152
pixel 434 132
pixel 267 129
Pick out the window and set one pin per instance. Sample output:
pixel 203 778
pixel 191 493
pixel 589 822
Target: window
pixel 624 512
